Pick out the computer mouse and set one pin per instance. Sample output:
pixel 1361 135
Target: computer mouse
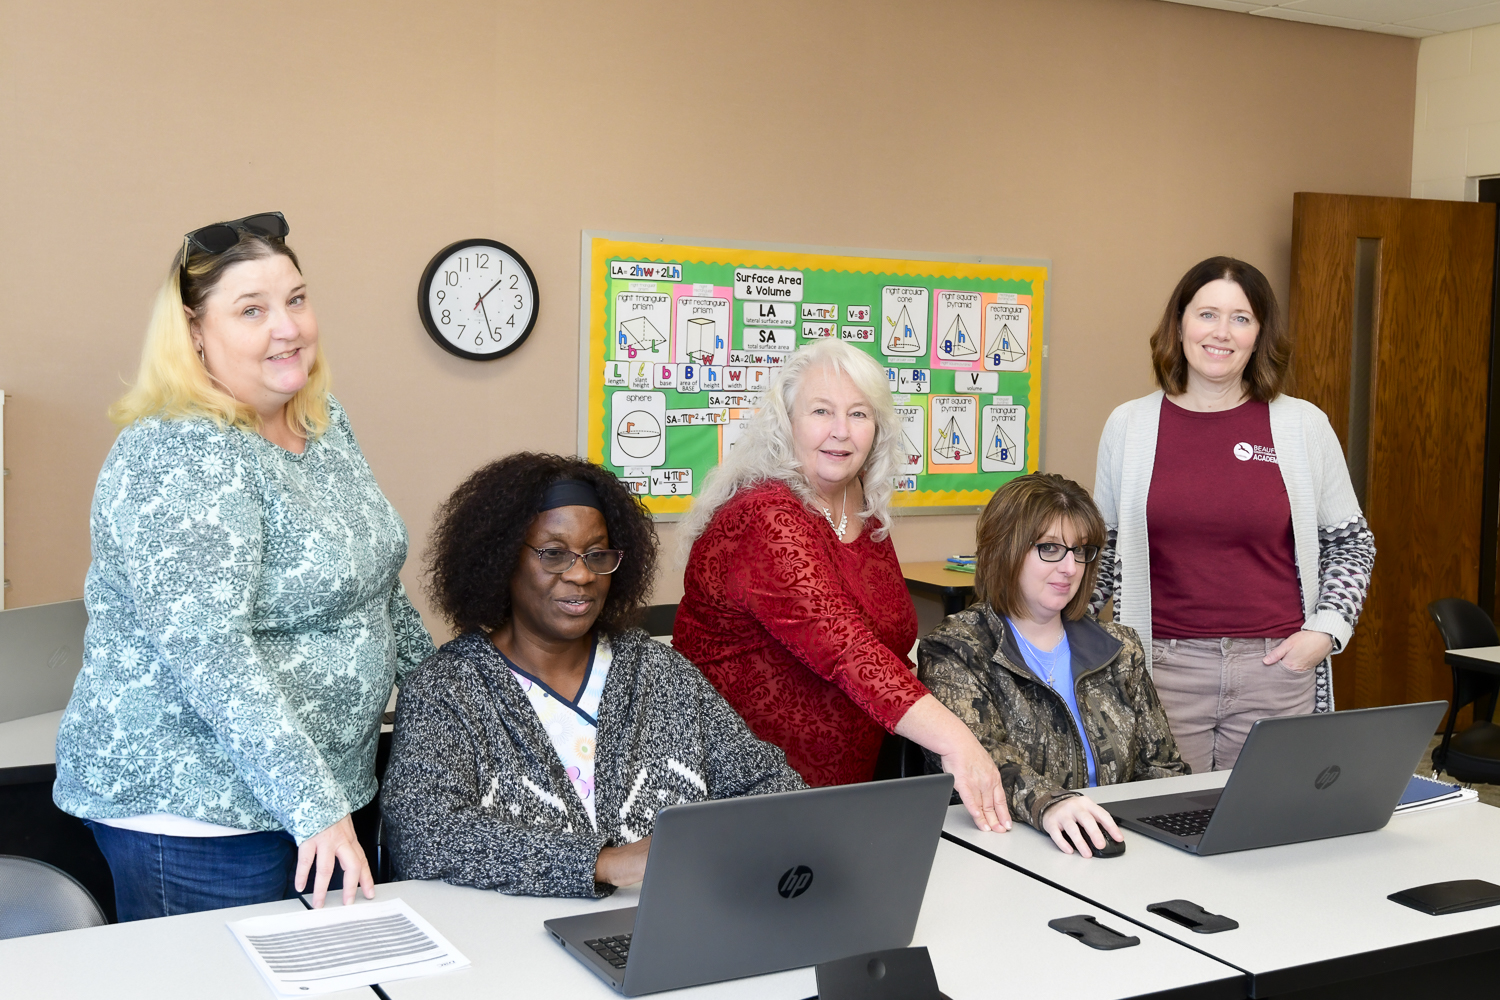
pixel 1112 848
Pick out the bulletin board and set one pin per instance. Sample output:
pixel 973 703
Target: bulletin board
pixel 681 337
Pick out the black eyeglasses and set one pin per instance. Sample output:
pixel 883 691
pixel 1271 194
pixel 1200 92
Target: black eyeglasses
pixel 1054 552
pixel 600 561
pixel 220 236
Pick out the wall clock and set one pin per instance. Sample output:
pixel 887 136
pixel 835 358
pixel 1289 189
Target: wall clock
pixel 478 299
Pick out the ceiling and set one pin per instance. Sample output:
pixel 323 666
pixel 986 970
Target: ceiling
pixel 1416 18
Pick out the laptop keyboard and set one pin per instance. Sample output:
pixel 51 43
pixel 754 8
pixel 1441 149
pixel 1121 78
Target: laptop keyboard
pixel 1183 824
pixel 614 950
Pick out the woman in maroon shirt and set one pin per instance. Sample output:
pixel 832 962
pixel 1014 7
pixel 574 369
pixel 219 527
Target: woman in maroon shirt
pixel 795 608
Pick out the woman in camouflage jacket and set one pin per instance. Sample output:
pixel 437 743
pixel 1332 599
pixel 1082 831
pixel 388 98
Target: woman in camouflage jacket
pixel 974 663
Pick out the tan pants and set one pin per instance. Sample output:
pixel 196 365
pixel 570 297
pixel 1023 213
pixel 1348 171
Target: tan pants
pixel 1214 690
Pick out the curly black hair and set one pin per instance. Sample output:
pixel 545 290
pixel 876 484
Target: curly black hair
pixel 481 528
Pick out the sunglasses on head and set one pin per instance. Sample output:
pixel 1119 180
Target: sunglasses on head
pixel 220 236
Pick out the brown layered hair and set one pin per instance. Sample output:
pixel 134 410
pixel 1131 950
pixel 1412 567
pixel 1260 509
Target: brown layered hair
pixel 1015 519
pixel 1266 371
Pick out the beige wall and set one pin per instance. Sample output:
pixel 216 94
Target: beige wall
pixel 1456 136
pixel 1123 139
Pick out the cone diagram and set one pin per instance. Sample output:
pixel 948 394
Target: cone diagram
pixel 951 443
pixel 956 341
pixel 903 335
pixel 1006 347
pixel 1002 448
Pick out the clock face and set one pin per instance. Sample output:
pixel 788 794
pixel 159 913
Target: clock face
pixel 478 299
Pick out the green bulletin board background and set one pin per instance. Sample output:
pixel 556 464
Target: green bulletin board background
pixel 659 315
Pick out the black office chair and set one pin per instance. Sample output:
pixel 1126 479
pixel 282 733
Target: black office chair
pixel 899 758
pixel 658 619
pixel 36 898
pixel 1474 754
pixel 367 821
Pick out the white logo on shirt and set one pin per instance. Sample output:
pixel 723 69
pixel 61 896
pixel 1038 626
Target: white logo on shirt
pixel 1244 451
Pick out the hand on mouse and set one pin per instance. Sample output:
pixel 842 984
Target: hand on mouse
pixel 1085 821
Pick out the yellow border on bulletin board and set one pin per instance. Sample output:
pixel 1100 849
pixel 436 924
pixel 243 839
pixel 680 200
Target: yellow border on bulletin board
pixel 599 248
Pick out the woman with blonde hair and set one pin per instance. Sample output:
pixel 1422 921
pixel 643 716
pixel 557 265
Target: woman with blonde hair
pixel 794 604
pixel 245 618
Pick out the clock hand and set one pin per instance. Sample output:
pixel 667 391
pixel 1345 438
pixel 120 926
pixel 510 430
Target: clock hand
pixel 483 312
pixel 491 289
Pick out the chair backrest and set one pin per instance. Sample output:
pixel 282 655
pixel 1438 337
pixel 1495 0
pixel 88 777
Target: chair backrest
pixel 1462 624
pixel 658 619
pixel 36 898
pixel 41 652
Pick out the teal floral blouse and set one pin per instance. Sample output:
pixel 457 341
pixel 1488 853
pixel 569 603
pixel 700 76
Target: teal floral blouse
pixel 245 627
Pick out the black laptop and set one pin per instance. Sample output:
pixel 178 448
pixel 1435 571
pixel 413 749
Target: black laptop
pixel 1301 777
pixel 741 887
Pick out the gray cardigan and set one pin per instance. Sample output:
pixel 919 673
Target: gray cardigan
pixel 1334 546
pixel 476 795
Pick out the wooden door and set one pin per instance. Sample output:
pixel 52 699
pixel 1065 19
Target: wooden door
pixel 1424 298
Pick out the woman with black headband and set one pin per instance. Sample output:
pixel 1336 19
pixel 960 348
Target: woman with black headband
pixel 532 753
pixel 245 618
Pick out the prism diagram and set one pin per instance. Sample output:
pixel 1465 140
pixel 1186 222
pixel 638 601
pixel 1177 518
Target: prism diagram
pixel 912 451
pixel 903 335
pixel 951 443
pixel 956 342
pixel 1002 448
pixel 1006 347
pixel 638 433
pixel 641 334
pixel 699 333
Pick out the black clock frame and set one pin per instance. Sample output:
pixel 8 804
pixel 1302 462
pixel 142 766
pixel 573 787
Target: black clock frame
pixel 424 311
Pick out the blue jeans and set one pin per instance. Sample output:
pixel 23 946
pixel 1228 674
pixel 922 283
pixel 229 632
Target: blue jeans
pixel 158 876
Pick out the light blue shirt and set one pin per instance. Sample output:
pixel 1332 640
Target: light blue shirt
pixel 1055 667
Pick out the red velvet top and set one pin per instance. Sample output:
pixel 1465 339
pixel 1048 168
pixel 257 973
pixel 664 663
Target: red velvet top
pixel 805 636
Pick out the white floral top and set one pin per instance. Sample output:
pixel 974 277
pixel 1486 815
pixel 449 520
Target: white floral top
pixel 572 726
pixel 245 627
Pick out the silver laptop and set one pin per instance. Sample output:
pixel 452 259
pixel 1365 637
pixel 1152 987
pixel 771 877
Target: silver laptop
pixel 41 652
pixel 741 887
pixel 1301 777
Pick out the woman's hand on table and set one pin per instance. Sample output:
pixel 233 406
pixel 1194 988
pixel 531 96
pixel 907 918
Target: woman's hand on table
pixel 929 724
pixel 623 865
pixel 1301 651
pixel 1085 821
pixel 336 842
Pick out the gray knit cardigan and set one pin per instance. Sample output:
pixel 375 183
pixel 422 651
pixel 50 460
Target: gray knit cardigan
pixel 476 795
pixel 1335 549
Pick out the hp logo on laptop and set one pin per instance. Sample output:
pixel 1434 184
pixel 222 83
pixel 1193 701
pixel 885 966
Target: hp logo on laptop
pixel 1327 776
pixel 794 882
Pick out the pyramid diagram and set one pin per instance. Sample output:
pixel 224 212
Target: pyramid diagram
pixel 641 334
pixel 912 450
pixel 1006 347
pixel 1002 448
pixel 956 341
pixel 903 336
pixel 951 444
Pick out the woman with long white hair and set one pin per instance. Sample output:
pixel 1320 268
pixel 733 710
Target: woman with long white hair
pixel 794 604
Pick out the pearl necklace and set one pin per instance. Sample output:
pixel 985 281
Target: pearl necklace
pixel 843 519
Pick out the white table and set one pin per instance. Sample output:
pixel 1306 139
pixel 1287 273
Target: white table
pixel 29 744
pixel 1310 914
pixel 984 925
pixel 193 955
pixel 1482 658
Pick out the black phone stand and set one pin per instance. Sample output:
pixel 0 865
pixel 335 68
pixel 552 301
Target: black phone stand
pixel 1192 916
pixel 1092 933
pixel 893 974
